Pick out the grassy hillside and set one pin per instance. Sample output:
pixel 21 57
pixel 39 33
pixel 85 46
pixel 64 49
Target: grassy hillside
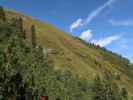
pixel 66 53
pixel 81 59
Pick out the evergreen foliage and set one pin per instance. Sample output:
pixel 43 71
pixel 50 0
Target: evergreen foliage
pixel 107 90
pixel 26 73
pixel 33 37
pixel 2 14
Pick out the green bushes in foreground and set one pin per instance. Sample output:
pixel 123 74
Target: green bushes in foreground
pixel 26 73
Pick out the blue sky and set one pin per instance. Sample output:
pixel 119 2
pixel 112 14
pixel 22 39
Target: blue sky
pixel 108 23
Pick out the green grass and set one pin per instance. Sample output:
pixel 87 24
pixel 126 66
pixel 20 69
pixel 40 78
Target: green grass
pixel 73 54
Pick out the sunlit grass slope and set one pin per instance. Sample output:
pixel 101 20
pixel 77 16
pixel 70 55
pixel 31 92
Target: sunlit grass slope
pixel 73 54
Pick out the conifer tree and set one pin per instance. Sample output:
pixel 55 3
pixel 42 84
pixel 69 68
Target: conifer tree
pixel 124 94
pixel 7 55
pixel 33 37
pixel 98 89
pixel 20 25
pixel 2 14
pixel 24 34
pixel 106 90
pixel 20 20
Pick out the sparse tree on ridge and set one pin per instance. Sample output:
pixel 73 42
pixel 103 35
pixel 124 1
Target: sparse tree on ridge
pixel 2 14
pixel 20 24
pixel 7 55
pixel 33 37
pixel 124 94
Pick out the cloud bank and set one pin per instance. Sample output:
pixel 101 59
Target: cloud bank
pixel 86 35
pixel 99 10
pixel 80 22
pixel 121 22
pixel 106 41
pixel 76 24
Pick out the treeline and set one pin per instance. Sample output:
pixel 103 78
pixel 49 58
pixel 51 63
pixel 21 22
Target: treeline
pixel 103 49
pixel 112 57
pixel 26 73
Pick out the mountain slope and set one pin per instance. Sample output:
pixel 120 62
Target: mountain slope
pixel 73 54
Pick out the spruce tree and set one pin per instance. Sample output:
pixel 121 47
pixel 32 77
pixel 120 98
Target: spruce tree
pixel 124 94
pixel 33 37
pixel 24 34
pixel 98 89
pixel 7 55
pixel 2 14
pixel 20 24
pixel 106 90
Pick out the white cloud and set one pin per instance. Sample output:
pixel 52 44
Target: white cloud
pixel 99 10
pixel 86 35
pixel 121 22
pixel 125 46
pixel 76 24
pixel 80 22
pixel 105 41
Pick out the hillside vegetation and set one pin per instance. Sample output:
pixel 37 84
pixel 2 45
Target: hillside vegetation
pixel 40 58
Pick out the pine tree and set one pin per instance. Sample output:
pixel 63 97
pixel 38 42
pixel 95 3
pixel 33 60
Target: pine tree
pixel 33 37
pixel 2 14
pixel 20 25
pixel 20 21
pixel 116 91
pixel 7 55
pixel 124 94
pixel 105 90
pixel 24 34
pixel 98 89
